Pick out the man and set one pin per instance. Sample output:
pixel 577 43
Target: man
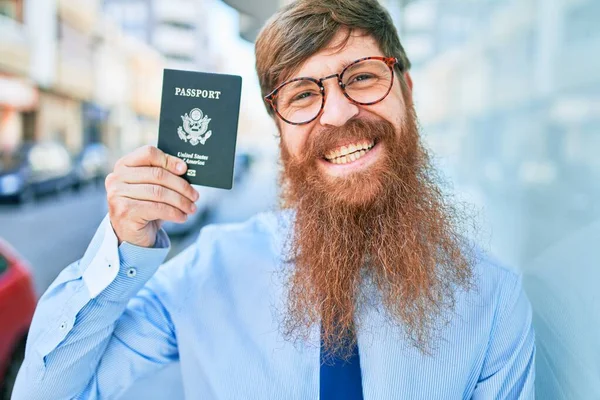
pixel 363 287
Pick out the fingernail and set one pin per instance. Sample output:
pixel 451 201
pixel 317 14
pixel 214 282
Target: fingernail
pixel 180 167
pixel 193 207
pixel 196 195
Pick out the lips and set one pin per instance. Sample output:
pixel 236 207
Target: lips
pixel 349 153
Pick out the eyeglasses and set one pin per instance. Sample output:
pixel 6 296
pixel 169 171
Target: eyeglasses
pixel 365 81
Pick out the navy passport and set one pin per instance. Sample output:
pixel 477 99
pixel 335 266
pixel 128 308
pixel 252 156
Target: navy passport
pixel 199 115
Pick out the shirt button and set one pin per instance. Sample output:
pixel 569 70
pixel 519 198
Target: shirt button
pixel 63 325
pixel 131 272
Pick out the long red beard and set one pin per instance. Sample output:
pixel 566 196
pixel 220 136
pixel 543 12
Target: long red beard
pixel 390 224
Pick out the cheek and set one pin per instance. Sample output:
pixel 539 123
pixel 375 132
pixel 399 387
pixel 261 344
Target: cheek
pixel 294 139
pixel 392 108
pixel 398 105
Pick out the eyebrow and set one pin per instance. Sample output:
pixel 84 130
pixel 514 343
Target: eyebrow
pixel 301 82
pixel 343 65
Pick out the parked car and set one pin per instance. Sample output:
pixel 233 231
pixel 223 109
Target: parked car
pixel 14 173
pixel 35 169
pixel 92 164
pixel 17 304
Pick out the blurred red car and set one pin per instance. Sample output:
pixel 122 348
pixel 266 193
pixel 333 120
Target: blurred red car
pixel 17 304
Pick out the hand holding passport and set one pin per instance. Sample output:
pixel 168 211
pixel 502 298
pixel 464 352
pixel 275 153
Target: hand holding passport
pixel 198 123
pixel 197 136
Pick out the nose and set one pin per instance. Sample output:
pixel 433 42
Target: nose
pixel 338 109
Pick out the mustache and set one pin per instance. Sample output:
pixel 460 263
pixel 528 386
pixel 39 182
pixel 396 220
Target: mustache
pixel 355 129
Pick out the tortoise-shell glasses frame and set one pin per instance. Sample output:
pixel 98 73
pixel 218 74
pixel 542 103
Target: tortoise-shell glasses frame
pixel 271 98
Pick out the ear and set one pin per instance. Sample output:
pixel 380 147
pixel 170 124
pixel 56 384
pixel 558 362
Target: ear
pixel 408 80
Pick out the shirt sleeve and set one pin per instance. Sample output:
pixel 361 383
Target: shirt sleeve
pixel 100 325
pixel 508 371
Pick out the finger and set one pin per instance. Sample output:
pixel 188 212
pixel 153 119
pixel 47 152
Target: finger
pixel 158 194
pixel 154 157
pixel 148 211
pixel 159 176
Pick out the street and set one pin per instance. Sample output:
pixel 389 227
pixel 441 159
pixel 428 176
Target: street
pixel 53 232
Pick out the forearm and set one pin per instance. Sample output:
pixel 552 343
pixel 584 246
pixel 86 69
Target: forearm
pixel 74 322
pixel 61 368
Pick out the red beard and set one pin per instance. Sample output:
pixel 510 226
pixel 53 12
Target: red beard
pixel 389 223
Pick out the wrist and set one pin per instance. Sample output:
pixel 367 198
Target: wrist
pixel 136 238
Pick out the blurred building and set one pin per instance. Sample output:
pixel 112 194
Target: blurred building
pixel 128 78
pixel 199 35
pixel 18 93
pixel 54 48
pixel 70 75
pixel 68 29
pixel 176 28
pixel 511 86
pixel 79 72
pixel 178 33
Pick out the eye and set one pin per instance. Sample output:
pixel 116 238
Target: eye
pixel 302 96
pixel 361 78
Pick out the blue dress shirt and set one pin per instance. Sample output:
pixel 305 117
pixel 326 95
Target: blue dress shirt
pixel 117 315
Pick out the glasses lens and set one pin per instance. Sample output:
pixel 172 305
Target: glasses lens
pixel 299 101
pixel 367 81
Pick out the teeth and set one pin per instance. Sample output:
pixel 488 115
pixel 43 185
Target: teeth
pixel 349 153
pixel 347 150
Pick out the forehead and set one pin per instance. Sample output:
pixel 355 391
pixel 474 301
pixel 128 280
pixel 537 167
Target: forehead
pixel 333 58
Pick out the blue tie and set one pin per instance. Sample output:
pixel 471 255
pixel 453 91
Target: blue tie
pixel 340 380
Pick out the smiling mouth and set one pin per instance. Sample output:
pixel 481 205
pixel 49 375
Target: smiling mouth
pixel 349 153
